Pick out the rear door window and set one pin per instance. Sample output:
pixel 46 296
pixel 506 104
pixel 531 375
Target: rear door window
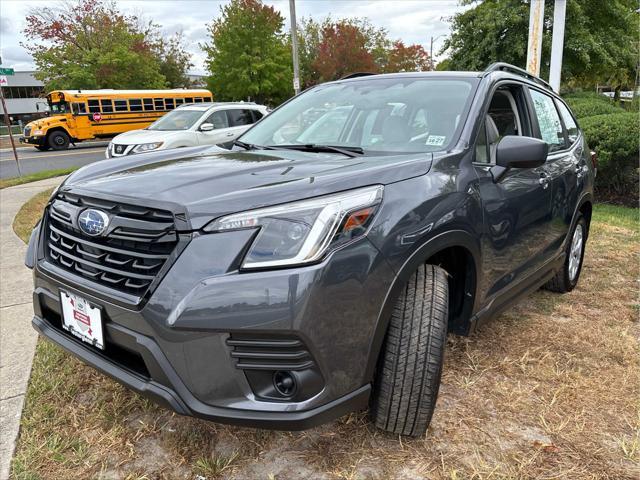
pixel 569 122
pixel 239 117
pixel 548 120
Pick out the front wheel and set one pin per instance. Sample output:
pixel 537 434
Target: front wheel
pixel 409 372
pixel 566 278
pixel 58 140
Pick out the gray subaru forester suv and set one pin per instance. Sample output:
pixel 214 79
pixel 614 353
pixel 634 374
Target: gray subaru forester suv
pixel 317 267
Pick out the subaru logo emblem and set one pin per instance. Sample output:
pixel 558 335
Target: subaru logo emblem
pixel 93 222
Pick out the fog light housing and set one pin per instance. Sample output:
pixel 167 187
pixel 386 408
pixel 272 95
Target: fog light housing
pixel 285 383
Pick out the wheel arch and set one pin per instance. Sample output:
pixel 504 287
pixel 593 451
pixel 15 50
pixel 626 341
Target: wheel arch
pixel 457 252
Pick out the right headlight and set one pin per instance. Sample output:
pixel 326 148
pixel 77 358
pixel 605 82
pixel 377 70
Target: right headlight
pixel 146 147
pixel 302 232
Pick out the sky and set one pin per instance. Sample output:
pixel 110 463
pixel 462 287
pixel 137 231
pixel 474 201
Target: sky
pixel 412 21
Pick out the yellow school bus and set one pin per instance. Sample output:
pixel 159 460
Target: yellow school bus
pixel 77 115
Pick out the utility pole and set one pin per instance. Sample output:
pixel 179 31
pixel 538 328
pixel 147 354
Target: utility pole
pixel 7 121
pixel 534 48
pixel 557 44
pixel 431 50
pixel 294 47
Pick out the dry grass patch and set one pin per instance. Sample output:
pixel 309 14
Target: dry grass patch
pixel 29 214
pixel 550 389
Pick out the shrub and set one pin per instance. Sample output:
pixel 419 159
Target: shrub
pixel 588 105
pixel 615 139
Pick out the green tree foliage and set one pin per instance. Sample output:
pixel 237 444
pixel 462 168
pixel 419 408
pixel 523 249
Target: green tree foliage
pixel 174 61
pixel 90 44
pixel 247 54
pixel 601 44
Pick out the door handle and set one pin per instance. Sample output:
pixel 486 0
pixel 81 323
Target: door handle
pixel 544 181
pixel 230 134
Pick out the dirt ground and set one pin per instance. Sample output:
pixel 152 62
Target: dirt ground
pixel 550 389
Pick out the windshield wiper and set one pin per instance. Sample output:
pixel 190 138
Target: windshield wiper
pixel 312 147
pixel 251 146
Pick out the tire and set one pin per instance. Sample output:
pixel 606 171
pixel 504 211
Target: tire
pixel 58 140
pixel 42 148
pixel 410 366
pixel 567 277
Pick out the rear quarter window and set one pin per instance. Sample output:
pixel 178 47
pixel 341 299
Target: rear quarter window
pixel 569 122
pixel 548 120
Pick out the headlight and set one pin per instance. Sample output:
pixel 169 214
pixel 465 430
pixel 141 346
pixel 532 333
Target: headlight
pixel 146 147
pixel 302 232
pixel 38 132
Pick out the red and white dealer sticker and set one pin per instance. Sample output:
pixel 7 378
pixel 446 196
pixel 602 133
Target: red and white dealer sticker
pixel 82 319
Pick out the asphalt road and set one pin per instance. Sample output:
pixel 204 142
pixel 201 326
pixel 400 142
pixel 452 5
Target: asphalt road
pixel 33 161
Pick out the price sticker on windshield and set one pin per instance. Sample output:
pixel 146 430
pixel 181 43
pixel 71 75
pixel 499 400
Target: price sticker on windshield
pixel 436 140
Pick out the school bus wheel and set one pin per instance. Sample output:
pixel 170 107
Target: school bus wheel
pixel 58 140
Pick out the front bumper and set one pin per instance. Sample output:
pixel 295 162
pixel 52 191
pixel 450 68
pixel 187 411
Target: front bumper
pixel 175 348
pixel 39 140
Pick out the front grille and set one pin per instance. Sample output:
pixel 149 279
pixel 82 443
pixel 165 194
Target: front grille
pixel 253 353
pixel 27 131
pixel 127 258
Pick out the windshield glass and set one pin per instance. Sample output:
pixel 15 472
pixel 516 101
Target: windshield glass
pixel 378 115
pixel 176 120
pixel 59 107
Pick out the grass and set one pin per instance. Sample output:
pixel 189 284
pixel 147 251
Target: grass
pixel 34 177
pixel 550 389
pixel 29 214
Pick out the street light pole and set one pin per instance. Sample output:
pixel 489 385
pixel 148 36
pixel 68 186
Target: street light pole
pixel 294 46
pixel 557 44
pixel 534 48
pixel 7 121
pixel 431 50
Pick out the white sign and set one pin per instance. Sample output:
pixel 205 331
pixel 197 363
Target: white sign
pixel 296 84
pixel 3 81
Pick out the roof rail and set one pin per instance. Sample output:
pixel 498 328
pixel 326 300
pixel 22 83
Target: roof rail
pixel 357 74
pixel 507 67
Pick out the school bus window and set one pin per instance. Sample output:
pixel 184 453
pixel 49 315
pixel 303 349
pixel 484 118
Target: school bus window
pixel 106 105
pixel 78 108
pixel 188 100
pixel 159 102
pixel 121 105
pixel 135 104
pixel 179 101
pixel 207 99
pixel 94 106
pixel 198 99
pixel 148 103
pixel 168 103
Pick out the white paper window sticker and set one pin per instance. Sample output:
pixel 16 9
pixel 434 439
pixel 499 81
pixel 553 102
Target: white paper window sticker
pixel 436 140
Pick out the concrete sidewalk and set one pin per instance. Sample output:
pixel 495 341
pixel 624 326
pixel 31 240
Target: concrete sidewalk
pixel 17 337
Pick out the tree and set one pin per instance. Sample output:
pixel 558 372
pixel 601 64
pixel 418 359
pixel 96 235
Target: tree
pixel 90 44
pixel 600 45
pixel 343 50
pixel 247 54
pixel 401 58
pixel 175 61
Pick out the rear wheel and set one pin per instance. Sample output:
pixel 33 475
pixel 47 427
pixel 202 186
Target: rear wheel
pixel 58 140
pixel 566 278
pixel 411 364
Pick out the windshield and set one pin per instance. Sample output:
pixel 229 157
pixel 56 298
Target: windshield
pixel 59 107
pixel 405 114
pixel 176 120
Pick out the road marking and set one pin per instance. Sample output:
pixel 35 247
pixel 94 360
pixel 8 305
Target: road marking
pixel 47 155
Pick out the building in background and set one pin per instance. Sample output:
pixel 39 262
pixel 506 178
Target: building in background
pixel 24 96
pixel 197 81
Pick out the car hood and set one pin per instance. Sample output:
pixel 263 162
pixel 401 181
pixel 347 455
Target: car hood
pixel 202 183
pixel 136 137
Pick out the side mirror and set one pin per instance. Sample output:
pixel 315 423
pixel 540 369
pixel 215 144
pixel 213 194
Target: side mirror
pixel 206 127
pixel 514 151
pixel 521 152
